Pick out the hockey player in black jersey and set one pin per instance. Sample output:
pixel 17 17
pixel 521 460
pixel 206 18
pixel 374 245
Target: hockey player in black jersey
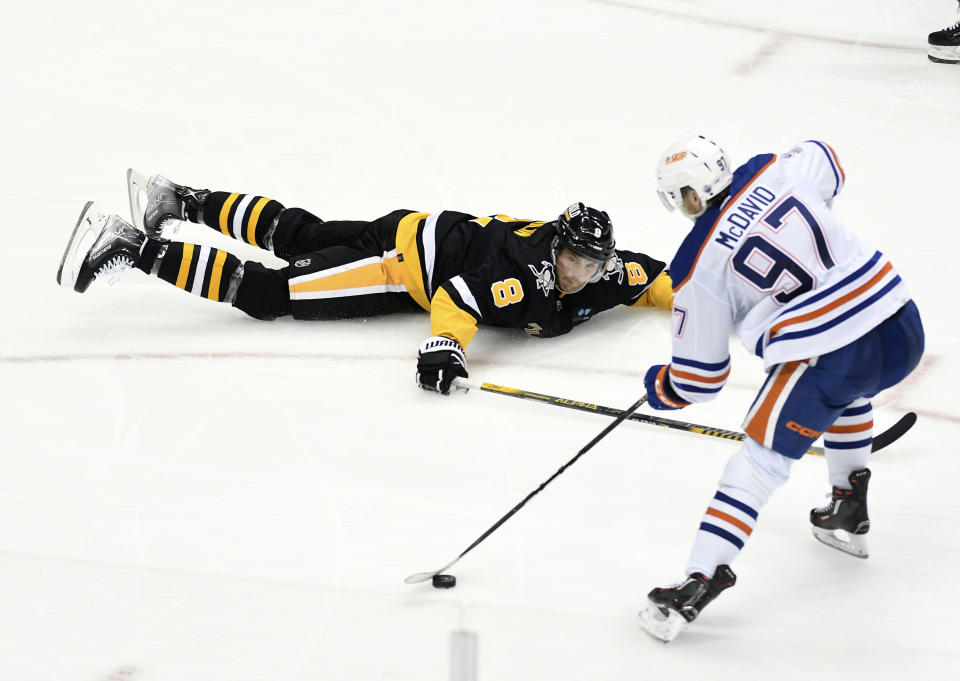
pixel 543 277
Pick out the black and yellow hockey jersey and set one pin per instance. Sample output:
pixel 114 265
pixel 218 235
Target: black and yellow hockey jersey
pixel 498 271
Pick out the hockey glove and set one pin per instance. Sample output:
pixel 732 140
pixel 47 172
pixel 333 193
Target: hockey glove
pixel 660 394
pixel 439 361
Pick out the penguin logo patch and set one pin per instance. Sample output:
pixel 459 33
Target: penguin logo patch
pixel 545 277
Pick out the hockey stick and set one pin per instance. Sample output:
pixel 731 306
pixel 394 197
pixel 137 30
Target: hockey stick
pixel 880 441
pixel 621 417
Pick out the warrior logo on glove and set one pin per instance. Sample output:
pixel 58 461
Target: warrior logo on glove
pixel 439 361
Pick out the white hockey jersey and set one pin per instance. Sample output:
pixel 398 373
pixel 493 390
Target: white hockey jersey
pixel 774 264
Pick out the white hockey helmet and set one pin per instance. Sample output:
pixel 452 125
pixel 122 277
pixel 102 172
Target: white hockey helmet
pixel 698 163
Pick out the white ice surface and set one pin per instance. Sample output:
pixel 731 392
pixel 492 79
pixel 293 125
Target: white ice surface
pixel 190 495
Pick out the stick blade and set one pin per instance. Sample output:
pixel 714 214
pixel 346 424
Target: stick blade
pixel 894 432
pixel 420 577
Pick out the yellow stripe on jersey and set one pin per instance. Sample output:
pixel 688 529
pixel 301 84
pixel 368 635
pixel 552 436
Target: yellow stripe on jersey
pixel 185 266
pixel 529 229
pixel 254 216
pixel 411 272
pixel 225 214
pixel 213 290
pixel 526 230
pixel 660 294
pixel 447 319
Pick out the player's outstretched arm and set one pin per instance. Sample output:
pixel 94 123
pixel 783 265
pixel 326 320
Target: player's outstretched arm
pixel 659 295
pixel 453 322
pixel 700 364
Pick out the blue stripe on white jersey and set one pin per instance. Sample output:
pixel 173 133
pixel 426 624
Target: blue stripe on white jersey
pixel 839 319
pixel 846 303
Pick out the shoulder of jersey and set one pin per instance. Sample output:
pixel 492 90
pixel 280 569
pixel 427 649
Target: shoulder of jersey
pixel 687 255
pixel 535 236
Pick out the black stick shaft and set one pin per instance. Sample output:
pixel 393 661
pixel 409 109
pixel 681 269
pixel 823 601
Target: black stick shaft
pixel 880 441
pixel 621 417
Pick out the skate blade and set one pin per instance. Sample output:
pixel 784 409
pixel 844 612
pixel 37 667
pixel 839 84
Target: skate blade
pixel 85 233
pixel 854 544
pixel 662 627
pixel 137 191
pixel 944 54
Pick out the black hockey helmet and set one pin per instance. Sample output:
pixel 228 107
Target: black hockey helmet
pixel 586 231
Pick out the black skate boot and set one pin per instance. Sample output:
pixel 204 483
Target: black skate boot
pixel 671 608
pixel 102 245
pixel 847 511
pixel 945 45
pixel 157 200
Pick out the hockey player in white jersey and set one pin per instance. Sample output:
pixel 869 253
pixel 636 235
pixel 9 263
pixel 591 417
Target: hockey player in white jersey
pixel 830 317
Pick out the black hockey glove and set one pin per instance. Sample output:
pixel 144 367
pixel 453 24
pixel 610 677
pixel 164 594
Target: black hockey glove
pixel 439 361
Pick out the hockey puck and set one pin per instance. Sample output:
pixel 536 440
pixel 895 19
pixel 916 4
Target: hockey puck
pixel 444 581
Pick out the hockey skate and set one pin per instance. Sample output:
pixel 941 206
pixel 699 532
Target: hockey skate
pixel 157 201
pixel 102 245
pixel 669 609
pixel 846 513
pixel 945 44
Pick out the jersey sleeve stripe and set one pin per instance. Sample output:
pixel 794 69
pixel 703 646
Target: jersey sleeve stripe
pixel 730 202
pixel 836 162
pixel 703 382
pixel 706 366
pixel 687 388
pixel 697 377
pixel 838 173
pixel 461 286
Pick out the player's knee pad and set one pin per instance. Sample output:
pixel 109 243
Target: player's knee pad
pixel 263 293
pixel 756 470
